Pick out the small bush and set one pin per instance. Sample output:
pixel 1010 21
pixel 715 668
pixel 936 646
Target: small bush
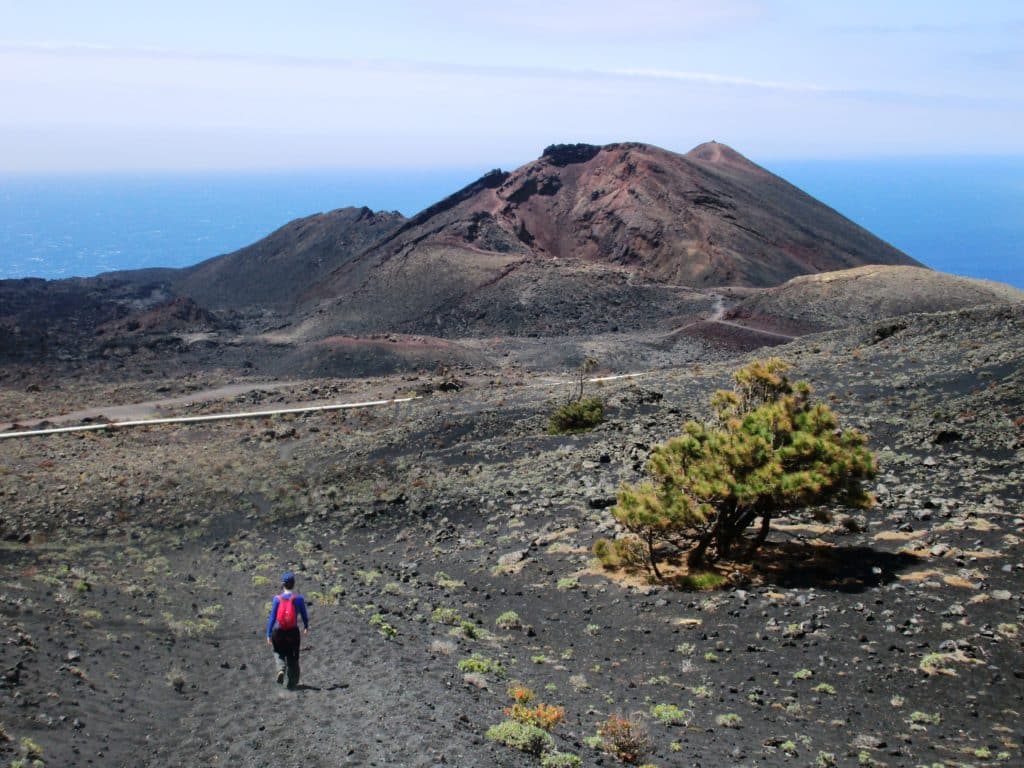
pixel 925 718
pixel 670 714
pixel 543 716
pixel 508 620
pixel 445 616
pixel 729 720
pixel 577 416
pixel 385 629
pixel 624 738
pixel 626 552
pixel 526 738
pixel 699 582
pixel 445 581
pixel 483 665
pixel 561 760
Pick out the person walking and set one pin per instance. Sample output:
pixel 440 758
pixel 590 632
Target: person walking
pixel 283 629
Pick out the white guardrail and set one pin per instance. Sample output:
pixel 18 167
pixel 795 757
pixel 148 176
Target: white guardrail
pixel 248 415
pixel 193 419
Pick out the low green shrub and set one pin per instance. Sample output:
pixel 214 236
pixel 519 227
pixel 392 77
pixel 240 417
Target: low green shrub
pixel 508 620
pixel 561 760
pixel 576 416
pixel 526 738
pixel 483 665
pixel 670 714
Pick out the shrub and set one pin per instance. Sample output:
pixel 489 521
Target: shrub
pixel 445 616
pixel 526 738
pixel 624 738
pixel 670 714
pixel 576 416
pixel 385 629
pixel 700 582
pixel 729 720
pixel 626 552
pixel 770 451
pixel 483 665
pixel 544 716
pixel 508 620
pixel 561 760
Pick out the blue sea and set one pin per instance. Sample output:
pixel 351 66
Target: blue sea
pixel 959 215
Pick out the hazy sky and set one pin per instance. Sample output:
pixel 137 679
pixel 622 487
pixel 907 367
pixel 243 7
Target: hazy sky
pixel 106 85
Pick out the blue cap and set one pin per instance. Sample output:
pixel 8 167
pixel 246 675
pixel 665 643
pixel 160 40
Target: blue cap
pixel 287 577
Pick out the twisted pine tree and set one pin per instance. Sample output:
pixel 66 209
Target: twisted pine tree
pixel 770 451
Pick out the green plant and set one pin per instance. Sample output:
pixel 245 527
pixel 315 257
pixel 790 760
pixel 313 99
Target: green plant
pixel 825 760
pixel 445 581
pixel 560 760
pixel 803 674
pixel 594 742
pixel 387 630
pixel 670 714
pixel 700 582
pixel 445 616
pixel 925 718
pixel 483 665
pixel 31 749
pixel 526 738
pixel 624 738
pixel 828 690
pixel 569 582
pixel 508 620
pixel 788 746
pixel 368 577
pixel 772 451
pixel 576 416
pixel 624 552
pixel 176 679
pixel 729 720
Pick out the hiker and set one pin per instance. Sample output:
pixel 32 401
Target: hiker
pixel 283 629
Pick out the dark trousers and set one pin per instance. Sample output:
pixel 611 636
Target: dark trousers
pixel 286 644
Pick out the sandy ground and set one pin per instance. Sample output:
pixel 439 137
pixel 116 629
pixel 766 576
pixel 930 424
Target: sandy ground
pixel 139 566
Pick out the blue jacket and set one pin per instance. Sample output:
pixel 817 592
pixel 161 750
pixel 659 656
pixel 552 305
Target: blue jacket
pixel 300 608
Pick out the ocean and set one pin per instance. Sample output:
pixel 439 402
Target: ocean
pixel 959 215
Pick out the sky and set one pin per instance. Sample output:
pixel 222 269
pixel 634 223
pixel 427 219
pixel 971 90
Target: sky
pixel 107 85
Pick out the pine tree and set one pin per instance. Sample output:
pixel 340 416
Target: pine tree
pixel 770 451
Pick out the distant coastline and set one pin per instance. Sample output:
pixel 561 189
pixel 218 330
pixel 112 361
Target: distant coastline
pixel 958 215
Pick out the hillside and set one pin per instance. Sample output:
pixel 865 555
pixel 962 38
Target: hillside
pixel 705 219
pixel 286 264
pixel 888 637
pixel 848 297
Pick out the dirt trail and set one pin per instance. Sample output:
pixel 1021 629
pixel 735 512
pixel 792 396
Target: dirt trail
pixel 363 700
pixel 149 408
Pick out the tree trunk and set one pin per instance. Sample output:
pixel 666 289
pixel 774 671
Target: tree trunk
pixel 650 555
pixel 762 535
pixel 697 555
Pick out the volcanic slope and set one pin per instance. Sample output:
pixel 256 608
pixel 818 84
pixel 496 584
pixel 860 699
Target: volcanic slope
pixel 582 222
pixel 275 271
pixel 839 299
